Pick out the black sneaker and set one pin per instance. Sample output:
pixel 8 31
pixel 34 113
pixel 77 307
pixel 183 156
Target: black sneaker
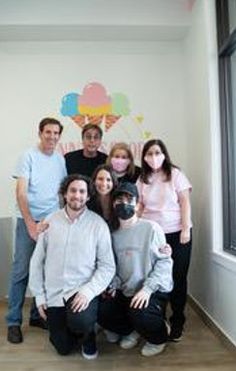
pixel 14 335
pixel 89 347
pixel 39 322
pixel 176 333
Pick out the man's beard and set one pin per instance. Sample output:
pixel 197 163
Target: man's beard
pixel 75 206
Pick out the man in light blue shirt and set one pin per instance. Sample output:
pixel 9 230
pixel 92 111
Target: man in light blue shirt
pixel 39 173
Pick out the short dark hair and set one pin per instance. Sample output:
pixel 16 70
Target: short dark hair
pixel 50 121
pixel 92 126
pixel 68 180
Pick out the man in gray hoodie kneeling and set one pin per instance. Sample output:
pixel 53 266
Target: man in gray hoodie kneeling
pixel 135 304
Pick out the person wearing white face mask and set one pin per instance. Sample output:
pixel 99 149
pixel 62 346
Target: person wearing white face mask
pixel 164 197
pixel 122 162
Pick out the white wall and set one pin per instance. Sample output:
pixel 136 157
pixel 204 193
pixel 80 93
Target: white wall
pixel 36 76
pixel 213 273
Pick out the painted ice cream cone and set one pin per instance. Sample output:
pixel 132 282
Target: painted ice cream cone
pixel 110 120
pixel 79 120
pixel 94 102
pixel 95 120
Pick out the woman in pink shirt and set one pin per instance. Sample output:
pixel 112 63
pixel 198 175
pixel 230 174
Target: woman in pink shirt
pixel 164 197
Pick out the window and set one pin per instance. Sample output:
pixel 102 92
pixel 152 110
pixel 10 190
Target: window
pixel 226 26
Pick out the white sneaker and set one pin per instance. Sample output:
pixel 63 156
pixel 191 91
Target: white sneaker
pixel 112 337
pixel 150 349
pixel 129 341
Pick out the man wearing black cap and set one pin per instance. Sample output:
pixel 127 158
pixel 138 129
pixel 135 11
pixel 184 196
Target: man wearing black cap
pixel 143 278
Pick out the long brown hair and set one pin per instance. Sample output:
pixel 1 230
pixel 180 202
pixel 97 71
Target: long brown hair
pixel 95 197
pixel 107 168
pixel 167 165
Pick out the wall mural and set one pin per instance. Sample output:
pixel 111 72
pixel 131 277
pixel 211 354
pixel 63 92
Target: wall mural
pixel 95 105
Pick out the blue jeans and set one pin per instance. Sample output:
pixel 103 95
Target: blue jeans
pixel 24 247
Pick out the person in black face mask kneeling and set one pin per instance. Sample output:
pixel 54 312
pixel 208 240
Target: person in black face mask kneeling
pixel 134 305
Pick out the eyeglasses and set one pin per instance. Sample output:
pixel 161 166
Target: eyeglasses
pixel 92 137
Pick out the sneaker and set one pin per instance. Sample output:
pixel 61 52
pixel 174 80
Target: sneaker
pixel 14 335
pixel 150 349
pixel 89 347
pixel 129 341
pixel 112 337
pixel 176 333
pixel 39 322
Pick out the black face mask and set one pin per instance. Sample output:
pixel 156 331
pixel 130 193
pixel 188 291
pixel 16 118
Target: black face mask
pixel 125 211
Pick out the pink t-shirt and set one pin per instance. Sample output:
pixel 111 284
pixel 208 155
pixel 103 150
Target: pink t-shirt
pixel 160 200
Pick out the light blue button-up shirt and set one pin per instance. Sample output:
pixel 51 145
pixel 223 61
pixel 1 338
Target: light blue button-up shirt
pixel 71 257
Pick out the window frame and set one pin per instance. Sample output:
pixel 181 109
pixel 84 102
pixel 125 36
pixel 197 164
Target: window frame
pixel 226 47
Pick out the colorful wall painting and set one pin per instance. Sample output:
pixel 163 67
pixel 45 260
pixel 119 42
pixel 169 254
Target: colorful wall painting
pixel 95 105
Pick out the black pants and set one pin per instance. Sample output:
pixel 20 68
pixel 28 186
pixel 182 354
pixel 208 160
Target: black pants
pixel 65 326
pixel 115 314
pixel 181 256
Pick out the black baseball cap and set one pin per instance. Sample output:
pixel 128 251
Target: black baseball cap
pixel 126 187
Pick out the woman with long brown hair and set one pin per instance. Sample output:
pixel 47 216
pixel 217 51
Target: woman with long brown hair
pixel 164 198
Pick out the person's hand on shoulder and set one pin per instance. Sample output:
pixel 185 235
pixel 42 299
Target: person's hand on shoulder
pixel 166 249
pixel 42 226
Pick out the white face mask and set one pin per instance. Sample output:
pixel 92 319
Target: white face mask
pixel 120 164
pixel 155 161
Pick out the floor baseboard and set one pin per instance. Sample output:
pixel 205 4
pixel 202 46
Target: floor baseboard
pixel 212 325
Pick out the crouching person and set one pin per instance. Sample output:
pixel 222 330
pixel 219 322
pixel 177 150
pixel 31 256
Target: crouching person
pixel 71 265
pixel 143 279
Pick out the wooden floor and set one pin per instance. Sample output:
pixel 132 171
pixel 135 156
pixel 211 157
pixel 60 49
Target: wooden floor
pixel 199 350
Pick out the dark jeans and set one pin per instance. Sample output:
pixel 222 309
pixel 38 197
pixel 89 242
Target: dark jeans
pixel 181 256
pixel 65 326
pixel 115 314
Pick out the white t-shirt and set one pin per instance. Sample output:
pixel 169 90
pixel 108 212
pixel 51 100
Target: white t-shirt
pixel 160 199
